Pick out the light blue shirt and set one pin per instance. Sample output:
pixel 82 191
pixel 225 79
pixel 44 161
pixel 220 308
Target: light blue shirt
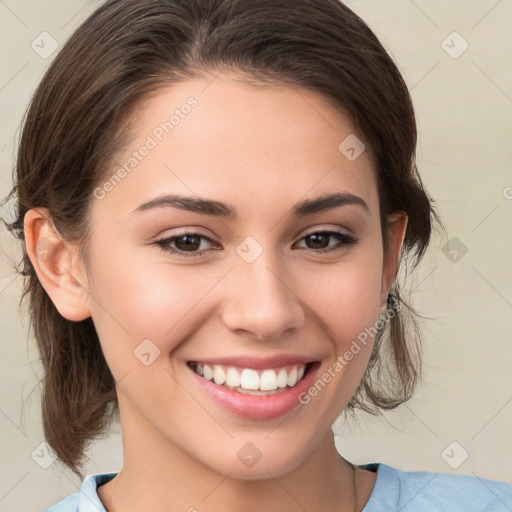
pixel 394 491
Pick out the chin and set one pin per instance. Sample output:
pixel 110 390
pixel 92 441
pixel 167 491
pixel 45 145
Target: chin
pixel 251 463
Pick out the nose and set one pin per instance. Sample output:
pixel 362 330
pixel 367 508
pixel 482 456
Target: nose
pixel 260 300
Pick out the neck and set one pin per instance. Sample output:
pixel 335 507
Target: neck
pixel 159 476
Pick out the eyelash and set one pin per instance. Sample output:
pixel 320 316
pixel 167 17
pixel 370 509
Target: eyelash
pixel 164 243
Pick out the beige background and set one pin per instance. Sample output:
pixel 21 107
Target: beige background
pixel 464 113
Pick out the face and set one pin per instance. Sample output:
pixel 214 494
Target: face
pixel 207 319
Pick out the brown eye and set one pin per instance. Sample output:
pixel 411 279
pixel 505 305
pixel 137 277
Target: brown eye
pixel 185 244
pixel 318 241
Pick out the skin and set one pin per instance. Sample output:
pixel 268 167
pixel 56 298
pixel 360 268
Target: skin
pixel 260 149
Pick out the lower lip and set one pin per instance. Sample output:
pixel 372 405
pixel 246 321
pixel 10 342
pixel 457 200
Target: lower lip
pixel 257 407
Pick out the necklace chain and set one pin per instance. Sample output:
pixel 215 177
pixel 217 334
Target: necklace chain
pixel 355 486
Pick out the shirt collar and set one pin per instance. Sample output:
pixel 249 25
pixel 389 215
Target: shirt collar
pixel 88 500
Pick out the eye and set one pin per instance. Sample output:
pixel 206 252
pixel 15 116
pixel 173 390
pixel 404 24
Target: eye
pixel 186 244
pixel 318 239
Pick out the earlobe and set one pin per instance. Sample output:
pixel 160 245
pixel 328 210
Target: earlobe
pixel 56 265
pixel 397 227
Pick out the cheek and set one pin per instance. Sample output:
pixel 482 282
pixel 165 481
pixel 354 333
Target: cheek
pixel 348 302
pixel 137 299
pixel 347 296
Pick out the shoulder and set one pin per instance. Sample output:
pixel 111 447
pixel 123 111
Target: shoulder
pixel 427 491
pixel 69 504
pixel 461 492
pixel 86 499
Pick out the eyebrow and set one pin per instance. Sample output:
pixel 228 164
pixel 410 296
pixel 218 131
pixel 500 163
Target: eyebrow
pixel 218 209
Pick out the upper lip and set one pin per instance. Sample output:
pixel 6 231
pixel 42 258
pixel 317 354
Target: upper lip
pixel 246 361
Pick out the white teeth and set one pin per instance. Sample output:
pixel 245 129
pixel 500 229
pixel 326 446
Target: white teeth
pixel 233 378
pixel 249 379
pixel 282 378
pixel 219 375
pixel 292 377
pixel 268 380
pixel 264 382
pixel 207 372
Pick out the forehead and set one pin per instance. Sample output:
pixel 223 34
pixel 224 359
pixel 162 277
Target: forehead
pixel 232 141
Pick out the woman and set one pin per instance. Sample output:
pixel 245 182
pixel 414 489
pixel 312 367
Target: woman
pixel 215 198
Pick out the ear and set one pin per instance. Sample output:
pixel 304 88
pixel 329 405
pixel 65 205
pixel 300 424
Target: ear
pixel 396 228
pixel 57 265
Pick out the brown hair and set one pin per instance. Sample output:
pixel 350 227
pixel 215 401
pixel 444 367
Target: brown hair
pixel 77 122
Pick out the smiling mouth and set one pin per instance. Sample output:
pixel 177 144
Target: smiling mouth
pixel 251 381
